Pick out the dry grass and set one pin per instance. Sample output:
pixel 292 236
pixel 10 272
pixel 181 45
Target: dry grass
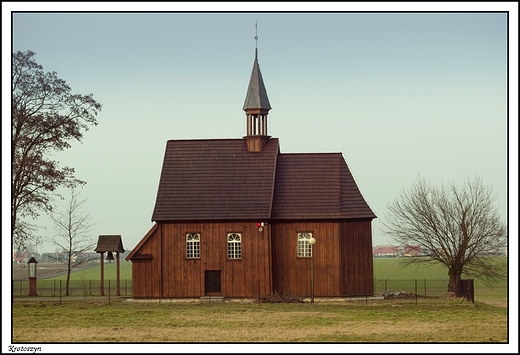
pixel 383 331
pixel 444 320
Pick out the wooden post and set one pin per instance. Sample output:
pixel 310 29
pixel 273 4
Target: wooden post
pixel 312 278
pixel 118 289
pixel 32 286
pixel 102 285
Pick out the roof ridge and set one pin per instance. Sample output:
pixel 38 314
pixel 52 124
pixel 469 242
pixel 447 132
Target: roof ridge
pixel 311 153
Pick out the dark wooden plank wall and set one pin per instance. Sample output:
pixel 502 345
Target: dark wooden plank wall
pixel 356 254
pixel 343 263
pixel 291 274
pixel 170 274
pixel 146 273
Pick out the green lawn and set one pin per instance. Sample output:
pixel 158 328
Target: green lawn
pixel 94 272
pixel 389 268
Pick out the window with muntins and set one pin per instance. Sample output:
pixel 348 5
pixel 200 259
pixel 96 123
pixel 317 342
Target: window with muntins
pixel 193 245
pixel 234 246
pixel 304 248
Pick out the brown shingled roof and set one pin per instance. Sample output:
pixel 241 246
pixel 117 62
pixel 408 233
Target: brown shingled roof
pixel 220 179
pixel 215 179
pixel 109 243
pixel 316 186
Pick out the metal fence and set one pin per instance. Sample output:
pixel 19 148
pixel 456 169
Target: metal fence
pixel 79 288
pixel 424 288
pixel 388 288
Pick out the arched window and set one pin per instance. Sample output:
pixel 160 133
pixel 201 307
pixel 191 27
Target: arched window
pixel 234 246
pixel 193 245
pixel 304 248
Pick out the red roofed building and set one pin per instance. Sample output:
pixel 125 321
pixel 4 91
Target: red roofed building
pixel 234 217
pixel 412 250
pixel 386 251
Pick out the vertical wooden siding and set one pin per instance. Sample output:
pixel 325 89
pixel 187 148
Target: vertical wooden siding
pixel 170 274
pixel 357 262
pixel 146 273
pixel 342 260
pixel 292 274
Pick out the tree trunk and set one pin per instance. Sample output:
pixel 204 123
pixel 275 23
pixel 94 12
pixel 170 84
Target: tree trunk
pixel 68 278
pixel 453 284
pixel 67 284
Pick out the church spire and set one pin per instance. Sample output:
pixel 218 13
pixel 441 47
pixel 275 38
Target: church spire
pixel 256 105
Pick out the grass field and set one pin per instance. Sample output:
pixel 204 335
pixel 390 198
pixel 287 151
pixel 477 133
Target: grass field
pixel 434 320
pixel 389 268
pixel 94 272
pixel 439 320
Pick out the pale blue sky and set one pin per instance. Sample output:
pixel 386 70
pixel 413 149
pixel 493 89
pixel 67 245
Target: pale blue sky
pixel 399 94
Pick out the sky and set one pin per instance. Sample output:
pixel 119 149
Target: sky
pixel 400 94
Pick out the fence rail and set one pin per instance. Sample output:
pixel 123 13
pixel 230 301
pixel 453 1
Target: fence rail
pixel 55 288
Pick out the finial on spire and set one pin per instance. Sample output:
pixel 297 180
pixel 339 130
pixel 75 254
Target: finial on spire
pixel 256 41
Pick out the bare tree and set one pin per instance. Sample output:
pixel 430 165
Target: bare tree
pixel 45 117
pixel 458 226
pixel 73 233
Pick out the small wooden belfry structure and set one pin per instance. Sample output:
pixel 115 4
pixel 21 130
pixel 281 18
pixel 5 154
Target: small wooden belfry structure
pixel 110 244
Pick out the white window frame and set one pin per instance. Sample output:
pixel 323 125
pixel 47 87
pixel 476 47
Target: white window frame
pixel 234 246
pixel 192 245
pixel 304 247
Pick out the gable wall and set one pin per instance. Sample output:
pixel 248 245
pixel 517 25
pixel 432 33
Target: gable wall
pixel 146 274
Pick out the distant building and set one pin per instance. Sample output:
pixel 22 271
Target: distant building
pixel 412 250
pixel 22 257
pixel 62 257
pixel 386 251
pixel 49 258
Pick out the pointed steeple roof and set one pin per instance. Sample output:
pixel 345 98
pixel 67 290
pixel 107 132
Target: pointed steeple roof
pixel 256 97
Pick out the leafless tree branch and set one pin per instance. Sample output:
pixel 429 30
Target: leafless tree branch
pixel 459 226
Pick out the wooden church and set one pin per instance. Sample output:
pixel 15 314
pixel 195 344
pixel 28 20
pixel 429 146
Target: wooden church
pixel 236 218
